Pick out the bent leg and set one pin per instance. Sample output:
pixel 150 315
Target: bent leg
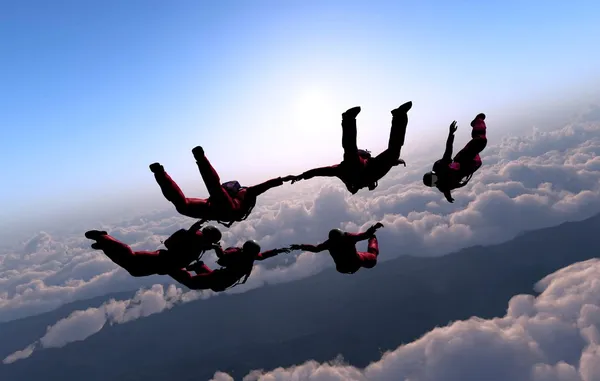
pixel 349 136
pixel 398 130
pixel 213 182
pixel 144 263
pixel 190 207
pixel 478 162
pixel 139 263
pixel 380 165
pixel 205 281
pixel 201 269
pixel 471 150
pixel 369 259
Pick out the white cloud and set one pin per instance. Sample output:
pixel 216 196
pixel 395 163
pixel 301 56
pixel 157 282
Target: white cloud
pixel 19 355
pixel 80 325
pixel 522 186
pixel 552 337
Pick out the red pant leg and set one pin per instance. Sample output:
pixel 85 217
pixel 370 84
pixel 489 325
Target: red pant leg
pixel 213 280
pixel 117 251
pixel 203 270
pixel 190 207
pixel 212 181
pixel 369 259
pixel 470 151
pixel 138 263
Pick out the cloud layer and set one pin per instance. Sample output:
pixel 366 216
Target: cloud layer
pixel 80 325
pixel 526 183
pixel 552 337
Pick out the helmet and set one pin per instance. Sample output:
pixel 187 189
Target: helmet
pixel 335 233
pixel 251 247
pixel 212 233
pixel 430 179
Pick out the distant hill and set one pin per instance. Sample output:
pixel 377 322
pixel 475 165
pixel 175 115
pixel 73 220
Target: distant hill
pixel 318 318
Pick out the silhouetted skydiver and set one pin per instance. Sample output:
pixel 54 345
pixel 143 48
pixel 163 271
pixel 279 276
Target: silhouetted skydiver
pixel 183 247
pixel 449 174
pixel 342 248
pixel 359 169
pixel 227 202
pixel 236 263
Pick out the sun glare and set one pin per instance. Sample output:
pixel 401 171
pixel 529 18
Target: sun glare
pixel 314 113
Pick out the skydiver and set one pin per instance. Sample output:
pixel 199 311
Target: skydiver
pixel 449 174
pixel 227 202
pixel 183 247
pixel 358 168
pixel 236 263
pixel 342 248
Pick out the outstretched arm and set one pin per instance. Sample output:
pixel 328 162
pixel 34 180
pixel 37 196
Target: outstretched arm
pixel 271 253
pixel 259 189
pixel 329 171
pixel 366 234
pixel 450 142
pixel 312 248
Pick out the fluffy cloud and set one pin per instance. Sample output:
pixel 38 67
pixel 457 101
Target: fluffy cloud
pixel 526 183
pixel 80 325
pixel 552 337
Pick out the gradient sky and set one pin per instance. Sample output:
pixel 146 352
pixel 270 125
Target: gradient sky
pixel 92 92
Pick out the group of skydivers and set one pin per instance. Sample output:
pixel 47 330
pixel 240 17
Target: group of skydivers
pixel 230 202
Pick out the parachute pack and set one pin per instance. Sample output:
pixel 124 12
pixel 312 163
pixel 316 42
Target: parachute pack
pixel 232 187
pixel 177 240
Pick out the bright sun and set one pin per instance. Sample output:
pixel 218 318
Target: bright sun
pixel 315 111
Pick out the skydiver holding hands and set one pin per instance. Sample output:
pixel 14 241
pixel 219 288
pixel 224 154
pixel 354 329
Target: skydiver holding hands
pixel 236 263
pixel 342 248
pixel 227 202
pixel 358 168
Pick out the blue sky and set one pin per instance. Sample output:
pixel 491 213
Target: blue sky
pixel 92 92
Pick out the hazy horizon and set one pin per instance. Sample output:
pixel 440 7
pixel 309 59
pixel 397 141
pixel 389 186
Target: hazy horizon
pixel 93 92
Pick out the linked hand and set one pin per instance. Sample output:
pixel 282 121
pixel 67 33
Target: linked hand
pixel 296 247
pixel 288 178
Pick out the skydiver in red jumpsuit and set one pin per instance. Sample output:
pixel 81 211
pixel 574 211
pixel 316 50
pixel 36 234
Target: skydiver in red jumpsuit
pixel 227 202
pixel 236 263
pixel 449 174
pixel 342 248
pixel 358 168
pixel 183 247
